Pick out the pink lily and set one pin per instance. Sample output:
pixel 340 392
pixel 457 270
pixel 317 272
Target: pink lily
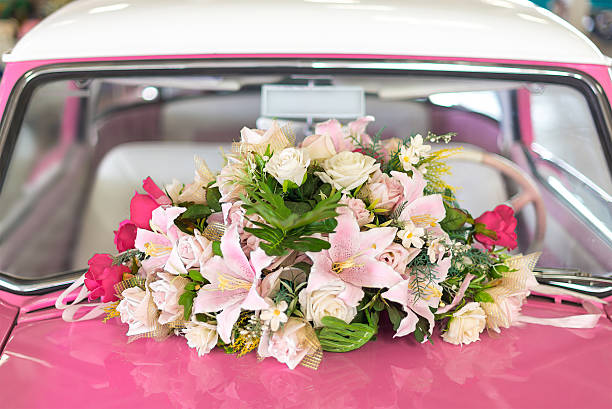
pixel 159 242
pixel 234 283
pixel 340 135
pixel 422 211
pixel 351 260
pixel 414 305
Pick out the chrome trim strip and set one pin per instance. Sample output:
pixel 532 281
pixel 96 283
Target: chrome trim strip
pixel 36 286
pixel 547 156
pixel 106 68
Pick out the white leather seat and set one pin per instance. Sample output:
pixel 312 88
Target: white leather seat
pixel 121 173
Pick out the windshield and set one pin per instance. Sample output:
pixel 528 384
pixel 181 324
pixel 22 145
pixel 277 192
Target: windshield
pixel 84 146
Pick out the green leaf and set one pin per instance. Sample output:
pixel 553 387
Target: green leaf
pixel 191 286
pixel 378 305
pixel 501 268
pixel 195 275
pixel 288 184
pixel 298 207
pixel 454 220
pixel 482 229
pixel 305 244
pixel 186 300
pixel 196 211
pixel 212 198
pixel 483 296
pixel 216 248
pixel 395 316
pixel 303 266
pixel 338 336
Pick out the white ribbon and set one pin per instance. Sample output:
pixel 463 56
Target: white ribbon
pixel 70 310
pixel 588 320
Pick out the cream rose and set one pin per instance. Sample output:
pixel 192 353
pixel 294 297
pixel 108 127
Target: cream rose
pixel 288 164
pixel 466 325
pixel 137 310
pixel 319 147
pixel 325 302
pixel 357 208
pixel 290 344
pixel 384 190
pixel 201 336
pixel 504 309
pixel 398 257
pixel 347 170
pixel 166 292
pixel 233 171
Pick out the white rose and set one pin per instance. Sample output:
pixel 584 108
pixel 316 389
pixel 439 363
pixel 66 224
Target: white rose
pixel 201 336
pixel 290 344
pixel 288 164
pixel 137 310
pixel 347 170
pixel 166 292
pixel 466 325
pixel 325 302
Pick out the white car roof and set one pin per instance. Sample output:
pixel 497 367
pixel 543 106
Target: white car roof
pixel 487 29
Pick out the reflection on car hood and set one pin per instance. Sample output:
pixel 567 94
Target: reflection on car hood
pixel 90 364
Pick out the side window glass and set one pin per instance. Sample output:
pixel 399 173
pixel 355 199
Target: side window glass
pixel 569 155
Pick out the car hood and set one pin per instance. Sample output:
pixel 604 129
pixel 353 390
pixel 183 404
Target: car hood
pixel 51 363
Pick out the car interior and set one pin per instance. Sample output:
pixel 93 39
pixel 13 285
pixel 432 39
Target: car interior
pixel 84 146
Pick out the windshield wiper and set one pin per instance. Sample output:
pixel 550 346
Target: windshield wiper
pixel 575 280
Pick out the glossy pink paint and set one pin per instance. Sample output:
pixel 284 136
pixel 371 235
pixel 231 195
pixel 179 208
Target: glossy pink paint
pixel 90 364
pixel 55 364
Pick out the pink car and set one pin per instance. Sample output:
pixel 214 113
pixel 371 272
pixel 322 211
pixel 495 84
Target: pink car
pixel 102 94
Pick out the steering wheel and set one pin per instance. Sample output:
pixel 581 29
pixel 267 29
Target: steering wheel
pixel 528 192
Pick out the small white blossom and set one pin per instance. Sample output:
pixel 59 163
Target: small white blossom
pixel 407 158
pixel 417 146
pixel 436 250
pixel 275 315
pixel 411 236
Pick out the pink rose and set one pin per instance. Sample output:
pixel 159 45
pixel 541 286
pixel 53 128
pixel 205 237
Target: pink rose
pixel 194 251
pixel 501 221
pixel 398 256
pixel 357 208
pixel 125 236
pixel 141 208
pixel 102 276
pixel 166 293
pixel 385 190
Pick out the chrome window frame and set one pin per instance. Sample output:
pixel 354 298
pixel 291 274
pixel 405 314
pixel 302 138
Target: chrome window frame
pixel 22 91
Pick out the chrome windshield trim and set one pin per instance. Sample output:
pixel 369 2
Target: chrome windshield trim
pixel 548 157
pixel 37 286
pixel 11 118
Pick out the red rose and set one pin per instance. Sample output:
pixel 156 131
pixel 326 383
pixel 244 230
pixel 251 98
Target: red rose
pixel 141 208
pixel 125 236
pixel 102 276
pixel 502 222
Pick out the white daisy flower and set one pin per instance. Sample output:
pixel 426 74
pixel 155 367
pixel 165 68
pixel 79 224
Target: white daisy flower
pixel 275 315
pixel 411 236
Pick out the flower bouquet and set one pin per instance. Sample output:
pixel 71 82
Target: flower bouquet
pixel 295 250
